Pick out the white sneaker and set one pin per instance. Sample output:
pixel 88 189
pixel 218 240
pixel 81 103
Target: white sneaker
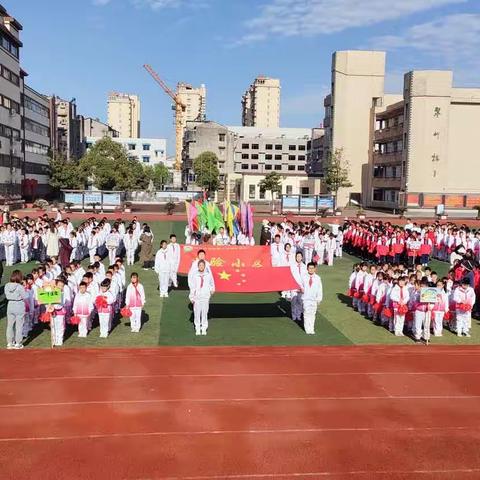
pixel 468 335
pixel 204 332
pixel 10 346
pixel 18 346
pixel 197 332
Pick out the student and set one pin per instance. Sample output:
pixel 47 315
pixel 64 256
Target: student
pixel 312 294
pixel 104 308
pixel 15 295
pixel 174 255
pixel 203 288
pixel 440 308
pixel 464 298
pixel 131 244
pixel 276 250
pixel 58 318
pixel 331 247
pixel 135 300
pixel 162 268
pixel 194 268
pixel 83 308
pixel 421 326
pixel 112 242
pixel 221 238
pixel 36 246
pixel 299 270
pixel 399 297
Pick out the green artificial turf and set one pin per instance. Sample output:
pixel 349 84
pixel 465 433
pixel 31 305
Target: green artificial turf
pixel 239 319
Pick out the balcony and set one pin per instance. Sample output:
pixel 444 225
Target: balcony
pixel 386 182
pixel 327 122
pixel 389 133
pixel 387 158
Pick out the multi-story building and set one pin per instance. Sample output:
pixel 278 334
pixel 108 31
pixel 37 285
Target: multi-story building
pixel 66 128
pixel 37 141
pixel 149 151
pixel 315 153
pixel 11 85
pixel 425 146
pixel 124 114
pixel 93 127
pixel 261 104
pixel 195 101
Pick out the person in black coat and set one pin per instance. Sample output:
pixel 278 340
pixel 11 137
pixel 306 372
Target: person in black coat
pixel 37 247
pixel 265 235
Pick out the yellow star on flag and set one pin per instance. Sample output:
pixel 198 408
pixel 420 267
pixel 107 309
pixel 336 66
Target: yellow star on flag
pixel 225 276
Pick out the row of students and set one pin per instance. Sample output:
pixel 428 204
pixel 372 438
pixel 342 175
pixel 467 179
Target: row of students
pixel 391 296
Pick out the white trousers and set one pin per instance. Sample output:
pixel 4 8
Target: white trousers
pixel 339 252
pixel 464 320
pixel 330 254
pixel 421 325
pixel 24 255
pixel 104 320
pixel 173 278
pixel 112 253
pixel 91 254
pixel 130 256
pixel 321 255
pixel 58 329
pixel 309 313
pixel 73 254
pixel 163 280
pixel 9 251
pixel 437 318
pixel 83 326
pixel 297 306
pixel 136 319
pixel 398 323
pixel 200 315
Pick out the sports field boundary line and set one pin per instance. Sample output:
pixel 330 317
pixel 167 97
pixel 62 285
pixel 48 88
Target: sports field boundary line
pixel 253 399
pixel 236 432
pixel 232 375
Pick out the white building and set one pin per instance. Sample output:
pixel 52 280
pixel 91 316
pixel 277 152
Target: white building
pixel 148 151
pixel 124 114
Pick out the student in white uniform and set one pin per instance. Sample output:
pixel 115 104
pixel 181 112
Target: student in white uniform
pixel 203 288
pixel 330 248
pixel 312 296
pixel 221 238
pixel 135 300
pixel 276 250
pixel 83 308
pixel 9 239
pixel 464 299
pixel 112 242
pixel 299 270
pixel 131 244
pixel 399 298
pixel 162 268
pixel 194 268
pixel 105 311
pixel 174 255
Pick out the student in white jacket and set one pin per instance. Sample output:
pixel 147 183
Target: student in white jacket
pixel 162 268
pixel 464 299
pixel 399 297
pixel 174 255
pixel 83 308
pixel 312 295
pixel 203 288
pixel 135 300
pixel 299 270
pixel 130 242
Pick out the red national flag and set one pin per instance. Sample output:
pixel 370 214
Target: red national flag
pixel 241 269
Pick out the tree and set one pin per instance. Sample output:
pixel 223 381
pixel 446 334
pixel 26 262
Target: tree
pixel 109 167
pixel 206 171
pixel 158 174
pixel 271 183
pixel 336 173
pixel 65 174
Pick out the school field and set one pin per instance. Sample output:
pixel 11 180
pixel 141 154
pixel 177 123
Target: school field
pixel 239 319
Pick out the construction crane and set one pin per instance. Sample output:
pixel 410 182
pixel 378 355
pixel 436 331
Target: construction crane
pixel 180 108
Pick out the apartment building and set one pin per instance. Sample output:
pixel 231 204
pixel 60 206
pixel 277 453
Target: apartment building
pixel 124 114
pixel 315 153
pixel 37 142
pixel 11 85
pixel 93 127
pixel 425 146
pixel 195 101
pixel 149 151
pixel 66 128
pixel 261 103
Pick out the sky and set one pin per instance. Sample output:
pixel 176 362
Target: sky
pixel 84 49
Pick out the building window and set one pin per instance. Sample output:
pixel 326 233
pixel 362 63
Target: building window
pixel 10 76
pixel 245 156
pixel 251 191
pixel 131 146
pixel 288 189
pixel 261 195
pixel 244 166
pixel 254 146
pixel 221 137
pixel 35 106
pixel 146 159
pixel 301 167
pixel 301 147
pixel 37 128
pixel 254 166
pixel 305 191
pixel 278 167
pixel 254 156
pixel 268 157
pixel 268 146
pixel 278 157
pixel 38 148
pixel 245 145
pixel 267 167
pixel 292 157
pixel 292 147
pixel 291 167
pixel 10 46
pixel 278 147
pixel 301 157
pixel 146 147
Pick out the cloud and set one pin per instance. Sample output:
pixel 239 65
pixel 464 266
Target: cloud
pixel 162 4
pixel 101 3
pixel 288 18
pixel 308 102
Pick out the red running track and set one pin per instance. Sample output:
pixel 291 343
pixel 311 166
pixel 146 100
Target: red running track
pixel 234 413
